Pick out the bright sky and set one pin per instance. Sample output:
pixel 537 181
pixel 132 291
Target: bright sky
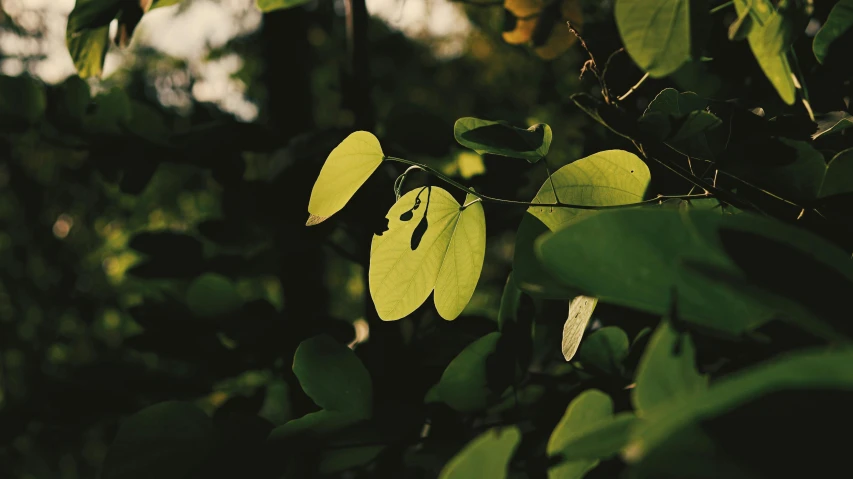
pixel 189 33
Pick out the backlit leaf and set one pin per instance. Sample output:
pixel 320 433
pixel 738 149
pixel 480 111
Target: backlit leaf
pixel 587 412
pixel 431 243
pixel 580 311
pixel 347 168
pixel 770 38
pixel 661 35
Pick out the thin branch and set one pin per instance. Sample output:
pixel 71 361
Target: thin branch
pixel 634 88
pixel 590 65
pixel 492 199
pixel 607 64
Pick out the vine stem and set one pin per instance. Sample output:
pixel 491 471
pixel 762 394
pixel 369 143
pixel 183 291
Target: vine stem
pixel 634 88
pixel 721 7
pixel 492 199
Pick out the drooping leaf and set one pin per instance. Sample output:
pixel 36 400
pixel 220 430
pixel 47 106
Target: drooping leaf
pixel 770 38
pixel 498 138
pixel 605 350
pixel 488 455
pixel 447 256
pixel 92 14
pixel 464 385
pixel 211 295
pixel 833 122
pixel 607 178
pixel 347 168
pixel 839 175
pixel 667 372
pixel 661 35
pixel 87 34
pixel 272 5
pixel 587 412
pixel 839 22
pixel 169 440
pixel 580 311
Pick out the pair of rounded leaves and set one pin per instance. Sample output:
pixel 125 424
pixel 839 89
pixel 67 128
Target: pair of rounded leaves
pixel 348 166
pixel 542 24
pixel 499 138
pixel 432 242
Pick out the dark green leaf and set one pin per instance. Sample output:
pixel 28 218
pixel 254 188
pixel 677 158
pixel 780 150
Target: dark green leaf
pixel 605 349
pixel 212 295
pixel 168 440
pixel 92 14
pixel 839 175
pixel 834 122
pixel 333 376
pixel 498 138
pixel 681 120
pixel 464 384
pixel 22 101
pixel 840 20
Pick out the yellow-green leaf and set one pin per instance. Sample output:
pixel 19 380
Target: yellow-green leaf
pixel 347 168
pixel 580 311
pixel 770 39
pixel 427 227
pixel 587 412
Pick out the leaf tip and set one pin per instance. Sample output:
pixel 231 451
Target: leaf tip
pixel 314 220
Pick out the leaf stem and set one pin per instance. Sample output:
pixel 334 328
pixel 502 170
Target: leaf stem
pixel 492 199
pixel 633 88
pixel 721 7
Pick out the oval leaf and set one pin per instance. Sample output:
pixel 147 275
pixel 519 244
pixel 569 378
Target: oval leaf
pixel 488 455
pixel 464 384
pixel 770 38
pixel 498 138
pixel 347 168
pixel 440 246
pixel 333 377
pixel 605 349
pixel 657 33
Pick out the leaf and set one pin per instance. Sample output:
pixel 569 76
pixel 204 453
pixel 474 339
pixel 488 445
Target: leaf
pixel 448 255
pixel 741 27
pixel 498 138
pixel 667 372
pixel 464 384
pixel 488 455
pixel 212 295
pixel 74 99
pixel 113 109
pixel 661 35
pixel 272 5
pixel 169 440
pixel 607 178
pixel 605 349
pixel 770 38
pixel 510 302
pixel 347 168
pixel 88 48
pixel 680 120
pixel 542 25
pixel 462 262
pixel 587 412
pixel 799 180
pixel 833 122
pixel 147 123
pixel 92 14
pixel 839 22
pixel 809 371
pixel 580 311
pixel 634 261
pixel 22 101
pixel 163 3
pixel 839 175
pixel 333 377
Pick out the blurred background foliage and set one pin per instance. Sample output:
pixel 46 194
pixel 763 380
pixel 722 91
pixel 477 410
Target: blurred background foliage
pixel 152 239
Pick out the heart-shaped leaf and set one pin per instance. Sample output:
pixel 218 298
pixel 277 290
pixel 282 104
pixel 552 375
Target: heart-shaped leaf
pixel 447 256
